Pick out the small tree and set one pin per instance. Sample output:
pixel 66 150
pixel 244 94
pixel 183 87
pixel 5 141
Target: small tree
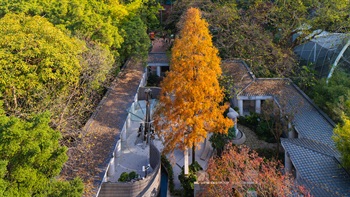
pixel 240 169
pixel 190 99
pixel 341 138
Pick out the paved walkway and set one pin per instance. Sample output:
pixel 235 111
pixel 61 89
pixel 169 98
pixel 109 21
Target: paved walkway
pixel 253 141
pixel 160 45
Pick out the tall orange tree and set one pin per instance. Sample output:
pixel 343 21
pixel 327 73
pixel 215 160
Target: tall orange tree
pixel 191 96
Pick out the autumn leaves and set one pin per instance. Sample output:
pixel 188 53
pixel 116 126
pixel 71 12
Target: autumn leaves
pixel 191 95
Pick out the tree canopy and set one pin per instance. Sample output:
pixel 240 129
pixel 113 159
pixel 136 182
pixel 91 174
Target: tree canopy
pixel 31 157
pixel 38 62
pixel 341 138
pixel 61 56
pixel 191 96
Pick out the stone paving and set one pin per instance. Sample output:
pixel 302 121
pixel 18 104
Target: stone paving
pixel 252 139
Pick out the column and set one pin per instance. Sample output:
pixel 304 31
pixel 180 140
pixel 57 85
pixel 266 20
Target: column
pixel 118 150
pixel 258 106
pixel 291 132
pixel 186 161
pixel 287 163
pixel 240 107
pixel 158 71
pixel 111 169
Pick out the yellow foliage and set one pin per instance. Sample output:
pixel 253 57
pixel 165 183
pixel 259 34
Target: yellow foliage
pixel 191 95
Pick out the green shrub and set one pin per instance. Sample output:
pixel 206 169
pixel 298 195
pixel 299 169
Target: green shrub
pixel 124 177
pixel 260 126
pixel 153 80
pixel 263 131
pixel 133 175
pixel 166 163
pixel 187 182
pixel 250 121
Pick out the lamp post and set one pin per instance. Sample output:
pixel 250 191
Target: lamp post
pixel 145 169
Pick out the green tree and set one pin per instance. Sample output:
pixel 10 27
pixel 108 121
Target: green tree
pixel 341 138
pixel 331 15
pixel 38 62
pixel 31 157
pixel 149 12
pixel 136 40
pixel 334 97
pixel 187 181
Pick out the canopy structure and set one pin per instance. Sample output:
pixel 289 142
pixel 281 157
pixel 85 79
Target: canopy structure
pixel 138 109
pixel 325 51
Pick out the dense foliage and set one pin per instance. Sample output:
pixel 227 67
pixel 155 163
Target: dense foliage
pixel 169 169
pixel 31 157
pixel 75 47
pixel 261 32
pixel 187 181
pixel 334 97
pixel 61 56
pixel 38 63
pixel 342 140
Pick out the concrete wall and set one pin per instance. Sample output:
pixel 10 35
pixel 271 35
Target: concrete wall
pixel 147 187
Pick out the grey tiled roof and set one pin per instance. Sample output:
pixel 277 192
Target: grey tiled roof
pixel 264 87
pixel 308 120
pixel 239 71
pixel 157 58
pixel 313 145
pixel 313 153
pixel 318 167
pixel 310 124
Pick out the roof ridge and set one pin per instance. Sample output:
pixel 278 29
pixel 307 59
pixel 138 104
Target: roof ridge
pixel 290 140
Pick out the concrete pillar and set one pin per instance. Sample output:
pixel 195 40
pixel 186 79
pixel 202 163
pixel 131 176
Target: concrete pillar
pixel 118 149
pixel 111 169
pixel 158 71
pixel 291 132
pixel 258 106
pixel 287 163
pixel 240 107
pixel 186 161
pixel 123 132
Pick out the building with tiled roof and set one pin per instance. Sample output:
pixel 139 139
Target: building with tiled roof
pixel 158 63
pixel 310 153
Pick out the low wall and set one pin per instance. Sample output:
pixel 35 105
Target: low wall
pixel 149 186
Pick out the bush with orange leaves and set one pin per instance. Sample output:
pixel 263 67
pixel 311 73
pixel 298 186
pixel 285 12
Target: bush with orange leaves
pixel 240 169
